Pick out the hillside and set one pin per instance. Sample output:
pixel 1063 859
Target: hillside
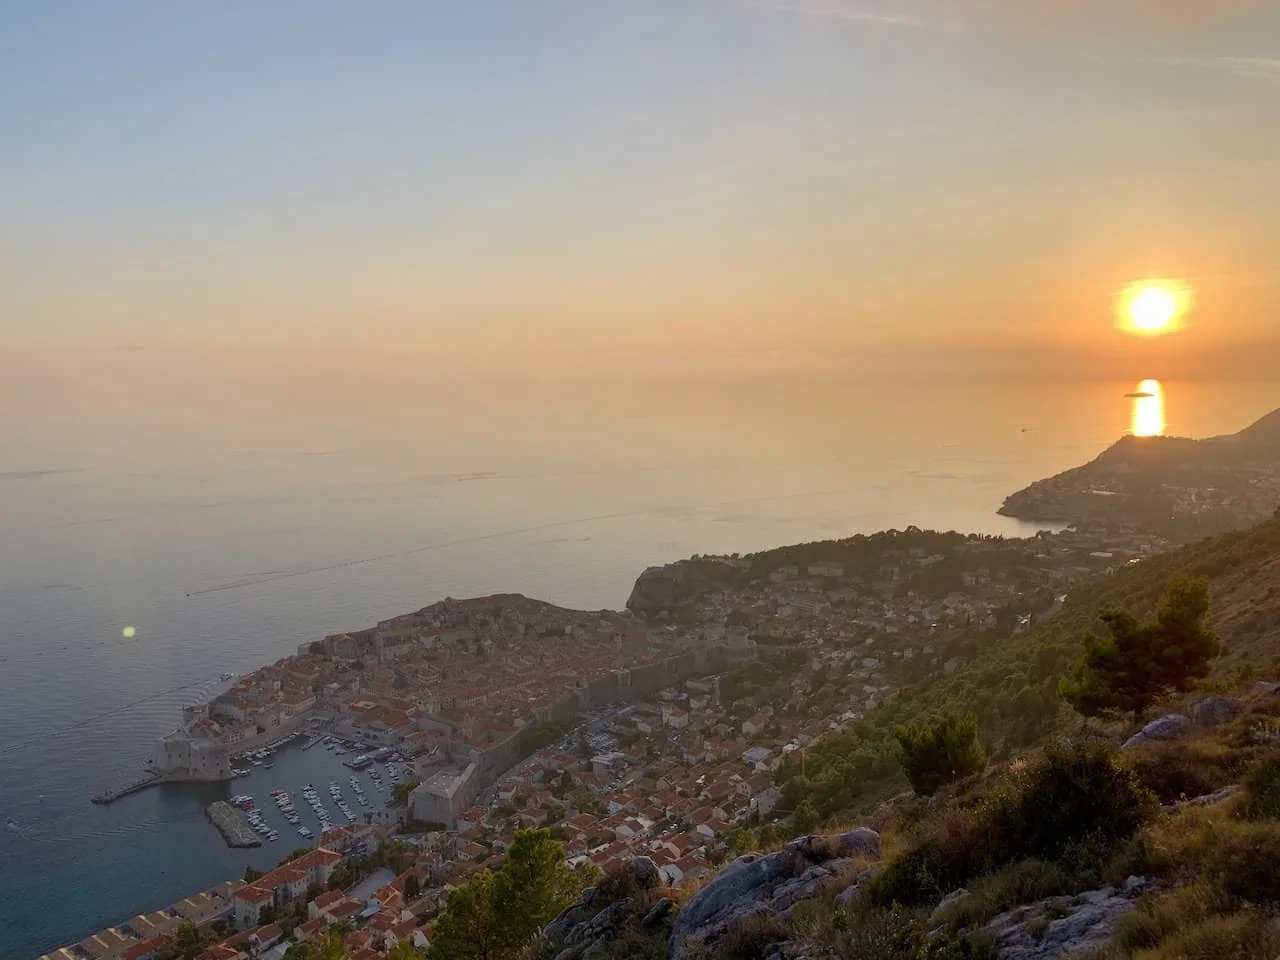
pixel 1171 484
pixel 1163 850
pixel 1012 686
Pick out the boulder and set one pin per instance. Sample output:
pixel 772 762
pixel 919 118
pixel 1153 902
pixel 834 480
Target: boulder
pixel 1174 726
pixel 1084 923
pixel 1265 688
pixel 856 843
pixel 645 872
pixel 1215 711
pixel 769 885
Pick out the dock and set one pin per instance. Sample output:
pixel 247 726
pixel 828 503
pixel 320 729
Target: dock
pixel 234 830
pixel 111 796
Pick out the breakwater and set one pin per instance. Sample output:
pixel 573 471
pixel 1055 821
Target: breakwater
pixel 111 796
pixel 232 827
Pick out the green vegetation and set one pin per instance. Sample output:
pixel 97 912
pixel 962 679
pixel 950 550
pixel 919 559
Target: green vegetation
pixel 1137 662
pixel 1181 769
pixel 187 942
pixel 1262 786
pixel 1012 686
pixel 1074 806
pixel 400 791
pixel 940 750
pixel 498 915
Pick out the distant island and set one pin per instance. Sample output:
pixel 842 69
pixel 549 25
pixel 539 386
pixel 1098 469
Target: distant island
pixel 1175 486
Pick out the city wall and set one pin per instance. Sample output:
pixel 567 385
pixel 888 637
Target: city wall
pixel 624 686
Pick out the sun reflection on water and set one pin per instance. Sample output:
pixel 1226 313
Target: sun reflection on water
pixel 1148 418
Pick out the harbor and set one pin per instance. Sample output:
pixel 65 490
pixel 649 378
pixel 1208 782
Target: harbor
pixel 307 795
pixel 234 830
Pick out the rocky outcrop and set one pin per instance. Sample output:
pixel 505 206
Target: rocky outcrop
pixel 1205 800
pixel 657 588
pixel 767 885
pixel 584 927
pixel 1066 926
pixel 1215 711
pixel 1174 726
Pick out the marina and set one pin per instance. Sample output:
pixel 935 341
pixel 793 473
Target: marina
pixel 268 808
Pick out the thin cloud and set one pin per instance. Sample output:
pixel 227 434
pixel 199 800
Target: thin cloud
pixel 840 13
pixel 1255 68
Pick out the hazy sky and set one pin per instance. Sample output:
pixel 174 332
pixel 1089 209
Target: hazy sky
pixel 539 184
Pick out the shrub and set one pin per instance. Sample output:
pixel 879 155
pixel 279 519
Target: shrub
pixel 940 750
pixel 1262 786
pixel 1076 794
pixel 1024 882
pixel 618 883
pixel 1177 770
pixel 1246 863
pixel 1075 805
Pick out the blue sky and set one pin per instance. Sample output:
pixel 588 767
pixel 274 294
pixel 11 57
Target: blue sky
pixel 604 173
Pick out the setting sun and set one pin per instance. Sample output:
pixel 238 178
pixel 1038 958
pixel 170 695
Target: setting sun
pixel 1153 308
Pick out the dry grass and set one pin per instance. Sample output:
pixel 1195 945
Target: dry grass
pixel 1156 919
pixel 1245 935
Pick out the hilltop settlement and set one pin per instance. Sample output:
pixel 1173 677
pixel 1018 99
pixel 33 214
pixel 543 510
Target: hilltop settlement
pixel 659 732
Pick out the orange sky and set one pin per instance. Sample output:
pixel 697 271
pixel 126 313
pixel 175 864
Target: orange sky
pixel 714 187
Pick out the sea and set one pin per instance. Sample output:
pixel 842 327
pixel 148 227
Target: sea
pixel 227 532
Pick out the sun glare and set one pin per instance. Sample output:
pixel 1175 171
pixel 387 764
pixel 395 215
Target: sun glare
pixel 1148 410
pixel 1153 308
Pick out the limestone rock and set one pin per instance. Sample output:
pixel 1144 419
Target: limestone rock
pixel 1174 726
pixel 1085 923
pixel 1215 711
pixel 950 900
pixel 768 885
pixel 1207 800
pixel 658 912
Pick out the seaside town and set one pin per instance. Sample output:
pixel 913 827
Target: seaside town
pixel 656 732
pixel 1166 483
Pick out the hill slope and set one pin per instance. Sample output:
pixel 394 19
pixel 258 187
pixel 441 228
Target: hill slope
pixel 1167 483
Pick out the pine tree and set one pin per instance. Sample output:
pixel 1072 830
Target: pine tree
pixel 497 915
pixel 940 750
pixel 1136 662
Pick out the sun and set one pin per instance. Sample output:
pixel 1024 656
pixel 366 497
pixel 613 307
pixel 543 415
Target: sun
pixel 1153 308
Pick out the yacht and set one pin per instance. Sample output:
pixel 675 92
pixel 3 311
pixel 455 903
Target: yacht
pixel 305 832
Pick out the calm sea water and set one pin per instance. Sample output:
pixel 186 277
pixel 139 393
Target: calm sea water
pixel 228 533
